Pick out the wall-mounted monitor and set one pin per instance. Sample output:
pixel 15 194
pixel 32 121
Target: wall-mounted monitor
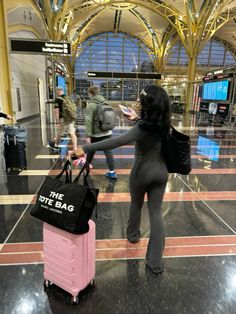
pixel 218 90
pixel 61 81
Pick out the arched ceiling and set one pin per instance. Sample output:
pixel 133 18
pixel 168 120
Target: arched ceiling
pixel 155 22
pixel 135 21
pixel 228 32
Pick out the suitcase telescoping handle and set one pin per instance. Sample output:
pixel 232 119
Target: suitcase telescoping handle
pixel 14 137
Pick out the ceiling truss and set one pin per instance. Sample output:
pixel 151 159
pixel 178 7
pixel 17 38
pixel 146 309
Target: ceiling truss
pixel 194 28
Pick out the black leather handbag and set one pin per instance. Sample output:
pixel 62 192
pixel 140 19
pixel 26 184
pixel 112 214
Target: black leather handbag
pixel 176 149
pixel 65 204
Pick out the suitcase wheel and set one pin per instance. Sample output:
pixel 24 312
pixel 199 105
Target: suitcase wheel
pixel 92 283
pixel 46 283
pixel 74 300
pixel 15 169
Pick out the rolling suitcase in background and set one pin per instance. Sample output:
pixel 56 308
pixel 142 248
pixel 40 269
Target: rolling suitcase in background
pixel 69 259
pixel 14 147
pixel 15 156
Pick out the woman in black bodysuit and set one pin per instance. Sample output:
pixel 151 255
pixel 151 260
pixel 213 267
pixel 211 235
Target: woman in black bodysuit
pixel 149 173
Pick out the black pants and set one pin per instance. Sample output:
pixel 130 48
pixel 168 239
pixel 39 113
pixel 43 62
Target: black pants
pixel 148 176
pixel 108 153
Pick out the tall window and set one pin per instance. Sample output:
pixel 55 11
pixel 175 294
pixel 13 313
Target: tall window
pixel 111 52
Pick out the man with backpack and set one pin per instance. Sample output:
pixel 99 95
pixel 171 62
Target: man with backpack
pixel 100 119
pixel 66 114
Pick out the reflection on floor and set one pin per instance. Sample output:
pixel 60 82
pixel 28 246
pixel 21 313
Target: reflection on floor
pixel 199 213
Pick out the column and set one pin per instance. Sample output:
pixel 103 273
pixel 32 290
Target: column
pixel 5 75
pixel 191 79
pixel 159 66
pixel 71 80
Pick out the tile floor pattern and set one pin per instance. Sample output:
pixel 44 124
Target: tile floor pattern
pixel 199 213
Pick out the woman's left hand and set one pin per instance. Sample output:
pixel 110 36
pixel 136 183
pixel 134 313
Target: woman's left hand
pixel 132 114
pixel 79 152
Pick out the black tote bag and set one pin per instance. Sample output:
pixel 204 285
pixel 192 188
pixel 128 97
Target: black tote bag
pixel 176 149
pixel 64 204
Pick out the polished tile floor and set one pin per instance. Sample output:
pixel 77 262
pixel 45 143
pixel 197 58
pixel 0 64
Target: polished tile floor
pixel 200 218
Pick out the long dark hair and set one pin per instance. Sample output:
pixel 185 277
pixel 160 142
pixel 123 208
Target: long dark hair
pixel 155 111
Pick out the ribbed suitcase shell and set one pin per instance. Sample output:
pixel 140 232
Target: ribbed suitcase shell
pixel 69 259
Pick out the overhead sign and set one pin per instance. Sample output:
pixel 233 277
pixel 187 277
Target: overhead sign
pixel 39 47
pixel 128 75
pixel 218 76
pixel 225 72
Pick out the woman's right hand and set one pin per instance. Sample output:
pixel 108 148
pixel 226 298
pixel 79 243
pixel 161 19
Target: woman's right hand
pixel 132 115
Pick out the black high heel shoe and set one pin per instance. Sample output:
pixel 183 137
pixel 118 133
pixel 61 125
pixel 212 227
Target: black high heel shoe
pixel 156 270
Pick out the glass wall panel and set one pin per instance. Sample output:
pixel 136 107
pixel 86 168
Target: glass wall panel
pixel 111 52
pixel 203 57
pixel 214 54
pixel 217 54
pixel 229 58
pixel 173 57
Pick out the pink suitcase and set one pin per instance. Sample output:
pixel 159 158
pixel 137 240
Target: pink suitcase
pixel 69 259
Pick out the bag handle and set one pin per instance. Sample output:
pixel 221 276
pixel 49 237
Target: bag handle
pixel 169 131
pixel 87 168
pixel 68 172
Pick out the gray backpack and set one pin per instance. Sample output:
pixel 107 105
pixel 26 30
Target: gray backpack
pixel 106 116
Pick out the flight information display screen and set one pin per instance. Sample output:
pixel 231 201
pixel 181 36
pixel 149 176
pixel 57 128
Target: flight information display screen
pixel 216 90
pixel 61 82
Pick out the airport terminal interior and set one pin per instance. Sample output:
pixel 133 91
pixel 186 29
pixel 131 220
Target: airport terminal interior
pixel 188 47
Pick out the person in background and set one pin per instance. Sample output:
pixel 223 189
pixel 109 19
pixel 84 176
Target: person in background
pixel 83 103
pixel 149 173
pixel 77 99
pixel 6 116
pixel 94 133
pixel 63 126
